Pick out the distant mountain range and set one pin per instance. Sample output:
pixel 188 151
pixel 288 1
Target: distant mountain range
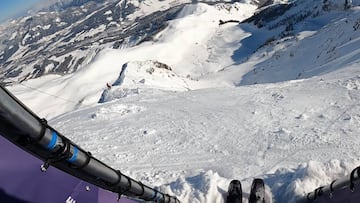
pixel 67 35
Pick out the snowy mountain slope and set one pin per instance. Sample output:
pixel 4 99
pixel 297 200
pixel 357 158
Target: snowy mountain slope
pixel 68 39
pixel 335 34
pixel 66 36
pixel 313 46
pixel 170 47
pixel 197 141
pixel 297 134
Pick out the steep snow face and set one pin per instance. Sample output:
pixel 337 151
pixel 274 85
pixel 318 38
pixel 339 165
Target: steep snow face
pixel 289 47
pixel 298 133
pixel 311 52
pixel 197 38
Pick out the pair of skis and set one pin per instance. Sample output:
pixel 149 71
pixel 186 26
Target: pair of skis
pixel 257 192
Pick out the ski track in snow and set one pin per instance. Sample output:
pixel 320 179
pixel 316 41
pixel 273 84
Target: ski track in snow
pixel 295 134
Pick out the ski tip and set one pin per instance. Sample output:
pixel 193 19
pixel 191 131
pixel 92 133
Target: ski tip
pixel 234 185
pixel 235 182
pixel 258 181
pixel 234 192
pixel 257 192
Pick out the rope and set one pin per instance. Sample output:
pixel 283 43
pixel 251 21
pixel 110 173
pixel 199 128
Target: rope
pixel 43 92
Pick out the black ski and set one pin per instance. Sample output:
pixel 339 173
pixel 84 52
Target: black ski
pixel 234 192
pixel 257 193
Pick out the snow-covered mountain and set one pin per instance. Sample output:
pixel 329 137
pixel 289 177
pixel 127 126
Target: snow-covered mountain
pixel 191 103
pixel 67 35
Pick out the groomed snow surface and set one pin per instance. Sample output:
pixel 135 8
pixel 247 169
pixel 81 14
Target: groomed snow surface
pixel 190 129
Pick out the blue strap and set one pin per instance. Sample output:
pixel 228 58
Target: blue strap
pixel 53 141
pixel 154 196
pixel 157 197
pixel 74 156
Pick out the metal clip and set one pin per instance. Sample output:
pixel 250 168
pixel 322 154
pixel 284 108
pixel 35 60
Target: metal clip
pixel 44 167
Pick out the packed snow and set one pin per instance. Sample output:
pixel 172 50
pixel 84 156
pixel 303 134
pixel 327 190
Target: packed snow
pixel 222 109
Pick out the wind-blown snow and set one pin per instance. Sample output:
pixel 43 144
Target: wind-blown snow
pixel 298 133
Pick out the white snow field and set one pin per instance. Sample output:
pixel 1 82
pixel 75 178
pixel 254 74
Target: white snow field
pixel 288 113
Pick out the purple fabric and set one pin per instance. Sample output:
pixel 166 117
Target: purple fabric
pixel 105 196
pixel 21 181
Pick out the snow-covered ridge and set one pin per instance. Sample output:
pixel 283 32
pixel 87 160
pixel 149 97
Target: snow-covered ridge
pixel 235 101
pixel 138 76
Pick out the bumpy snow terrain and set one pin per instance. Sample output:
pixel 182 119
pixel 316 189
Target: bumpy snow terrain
pixel 201 103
